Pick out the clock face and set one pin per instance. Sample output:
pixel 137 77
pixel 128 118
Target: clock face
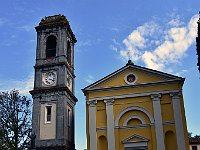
pixel 49 78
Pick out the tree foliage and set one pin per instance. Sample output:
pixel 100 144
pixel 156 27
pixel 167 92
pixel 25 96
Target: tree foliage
pixel 15 121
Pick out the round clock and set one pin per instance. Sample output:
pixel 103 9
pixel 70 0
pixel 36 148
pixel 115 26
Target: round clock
pixel 49 78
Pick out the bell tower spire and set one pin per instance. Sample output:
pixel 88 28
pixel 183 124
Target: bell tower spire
pixel 53 93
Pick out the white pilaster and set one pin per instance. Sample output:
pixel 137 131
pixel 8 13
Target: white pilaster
pixel 92 124
pixel 158 122
pixel 110 124
pixel 178 121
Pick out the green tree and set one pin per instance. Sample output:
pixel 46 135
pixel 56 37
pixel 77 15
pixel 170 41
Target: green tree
pixel 189 134
pixel 15 121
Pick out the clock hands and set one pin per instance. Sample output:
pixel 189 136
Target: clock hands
pixel 50 78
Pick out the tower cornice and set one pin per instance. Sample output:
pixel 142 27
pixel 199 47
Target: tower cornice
pixel 56 64
pixel 55 21
pixel 53 89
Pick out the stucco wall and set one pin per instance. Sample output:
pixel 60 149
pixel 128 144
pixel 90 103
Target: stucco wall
pixel 48 129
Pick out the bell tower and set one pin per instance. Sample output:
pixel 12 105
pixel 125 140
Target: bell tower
pixel 53 93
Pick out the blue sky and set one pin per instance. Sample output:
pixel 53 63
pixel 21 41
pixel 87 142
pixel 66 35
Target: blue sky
pixel 156 34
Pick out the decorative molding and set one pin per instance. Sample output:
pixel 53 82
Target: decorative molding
pixel 130 109
pixel 109 101
pixel 170 77
pixel 134 117
pixel 136 144
pixel 55 89
pixel 126 127
pixel 128 140
pixel 169 123
pixel 101 128
pixel 148 84
pixel 175 95
pixel 130 83
pixel 92 103
pixel 156 97
pixel 134 126
pixel 134 95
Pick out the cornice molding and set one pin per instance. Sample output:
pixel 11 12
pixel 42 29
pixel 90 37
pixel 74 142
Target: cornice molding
pixel 42 90
pixel 132 66
pixel 100 89
pixel 134 95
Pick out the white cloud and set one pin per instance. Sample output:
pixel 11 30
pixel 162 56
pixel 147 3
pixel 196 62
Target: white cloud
pixel 23 86
pixel 136 42
pixel 114 29
pixel 158 46
pixel 89 79
pixel 85 43
pixel 182 72
pixel 115 46
pixel 82 45
pixel 175 21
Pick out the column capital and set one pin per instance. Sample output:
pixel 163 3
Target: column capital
pixel 109 101
pixel 92 103
pixel 175 94
pixel 155 97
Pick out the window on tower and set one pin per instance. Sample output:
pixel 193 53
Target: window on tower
pixel 51 46
pixel 69 52
pixel 194 147
pixel 69 115
pixel 48 113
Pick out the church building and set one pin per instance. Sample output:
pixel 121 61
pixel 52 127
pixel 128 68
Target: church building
pixel 136 108
pixel 53 93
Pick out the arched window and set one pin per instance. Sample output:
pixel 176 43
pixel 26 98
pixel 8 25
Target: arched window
pixel 133 122
pixel 69 50
pixel 51 46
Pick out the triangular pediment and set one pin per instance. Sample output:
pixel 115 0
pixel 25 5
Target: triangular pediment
pixel 135 138
pixel 140 75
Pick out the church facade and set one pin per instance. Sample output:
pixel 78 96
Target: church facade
pixel 53 93
pixel 136 108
